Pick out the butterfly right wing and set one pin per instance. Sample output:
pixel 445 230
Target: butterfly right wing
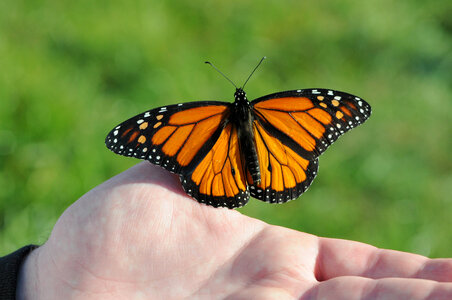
pixel 310 120
pixel 291 130
pixel 175 137
pixel 285 174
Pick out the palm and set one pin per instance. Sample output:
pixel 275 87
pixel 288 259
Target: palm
pixel 138 236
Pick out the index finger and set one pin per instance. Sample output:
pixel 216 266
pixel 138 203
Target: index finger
pixel 348 258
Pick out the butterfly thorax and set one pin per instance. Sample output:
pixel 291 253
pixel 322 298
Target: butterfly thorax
pixel 243 118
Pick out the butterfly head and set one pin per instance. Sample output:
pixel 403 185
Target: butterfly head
pixel 240 95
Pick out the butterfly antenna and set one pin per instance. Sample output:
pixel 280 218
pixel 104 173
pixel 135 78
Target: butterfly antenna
pixel 208 62
pixel 262 59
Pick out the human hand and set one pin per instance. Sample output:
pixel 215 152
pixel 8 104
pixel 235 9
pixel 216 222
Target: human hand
pixel 138 236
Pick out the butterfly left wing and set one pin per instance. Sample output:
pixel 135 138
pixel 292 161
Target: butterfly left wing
pixel 310 120
pixel 176 137
pixel 194 140
pixel 219 179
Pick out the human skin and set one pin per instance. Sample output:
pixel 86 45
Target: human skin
pixel 138 236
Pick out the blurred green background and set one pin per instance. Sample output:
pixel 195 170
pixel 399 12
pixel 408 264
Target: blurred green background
pixel 71 70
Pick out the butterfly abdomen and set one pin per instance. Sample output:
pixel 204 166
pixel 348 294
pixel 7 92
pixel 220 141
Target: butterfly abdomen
pixel 243 119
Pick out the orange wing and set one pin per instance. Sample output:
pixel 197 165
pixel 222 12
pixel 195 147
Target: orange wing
pixel 291 129
pixel 175 137
pixel 309 121
pixel 285 175
pixel 219 178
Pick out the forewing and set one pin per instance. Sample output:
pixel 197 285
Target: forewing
pixel 175 137
pixel 309 121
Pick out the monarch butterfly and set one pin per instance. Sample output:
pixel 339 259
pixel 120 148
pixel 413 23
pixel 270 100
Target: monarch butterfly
pixel 224 152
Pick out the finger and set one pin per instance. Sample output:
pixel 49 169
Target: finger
pixel 348 258
pixel 352 287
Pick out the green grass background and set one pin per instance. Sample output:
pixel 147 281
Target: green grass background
pixel 71 70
